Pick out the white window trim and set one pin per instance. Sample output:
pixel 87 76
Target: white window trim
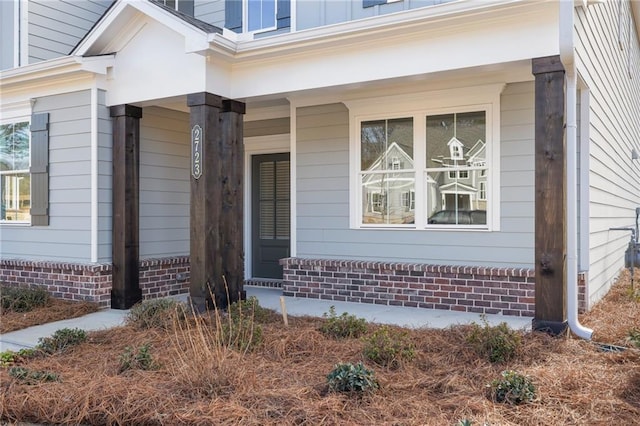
pixel 18 119
pixel 418 106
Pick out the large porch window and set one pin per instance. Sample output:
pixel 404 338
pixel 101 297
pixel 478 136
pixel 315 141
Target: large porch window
pixel 426 168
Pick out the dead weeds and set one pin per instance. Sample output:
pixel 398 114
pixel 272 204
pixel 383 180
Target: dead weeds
pixel 54 310
pixel 284 381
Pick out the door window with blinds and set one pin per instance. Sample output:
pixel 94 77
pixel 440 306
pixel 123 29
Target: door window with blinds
pixel 270 213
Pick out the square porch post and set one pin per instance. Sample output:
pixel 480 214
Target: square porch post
pixel 550 198
pixel 217 164
pixel 125 291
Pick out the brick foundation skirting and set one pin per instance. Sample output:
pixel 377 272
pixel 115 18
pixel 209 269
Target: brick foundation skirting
pixel 92 282
pixel 507 291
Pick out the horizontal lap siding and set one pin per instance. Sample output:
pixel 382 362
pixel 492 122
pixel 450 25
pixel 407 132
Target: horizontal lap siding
pixel 614 131
pixel 105 179
pixel 323 197
pixel 56 26
pixel 210 11
pixel 164 183
pixel 317 13
pixel 67 238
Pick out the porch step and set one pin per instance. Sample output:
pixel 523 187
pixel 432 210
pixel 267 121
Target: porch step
pixel 264 282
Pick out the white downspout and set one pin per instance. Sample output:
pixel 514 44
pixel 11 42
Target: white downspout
pixel 567 56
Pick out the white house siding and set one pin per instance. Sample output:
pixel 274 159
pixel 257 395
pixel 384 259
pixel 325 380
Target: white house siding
pixel 323 197
pixel 615 130
pixel 105 179
pixel 164 183
pixel 210 11
pixel 67 238
pixel 317 13
pixel 56 26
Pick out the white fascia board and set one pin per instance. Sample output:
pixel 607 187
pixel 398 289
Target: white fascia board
pixel 67 66
pixel 369 29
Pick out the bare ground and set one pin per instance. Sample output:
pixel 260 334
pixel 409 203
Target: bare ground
pixel 284 381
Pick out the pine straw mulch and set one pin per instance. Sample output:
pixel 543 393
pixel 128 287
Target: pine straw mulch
pixel 54 310
pixel 284 381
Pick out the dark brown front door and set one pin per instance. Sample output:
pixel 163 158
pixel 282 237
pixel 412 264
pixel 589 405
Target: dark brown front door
pixel 270 214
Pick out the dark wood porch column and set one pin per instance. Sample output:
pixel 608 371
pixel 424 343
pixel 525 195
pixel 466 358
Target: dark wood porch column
pixel 550 199
pixel 217 256
pixel 126 290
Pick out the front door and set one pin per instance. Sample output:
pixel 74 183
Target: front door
pixel 270 207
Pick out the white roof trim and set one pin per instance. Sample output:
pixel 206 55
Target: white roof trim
pixel 196 38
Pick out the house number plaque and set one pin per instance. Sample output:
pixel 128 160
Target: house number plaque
pixel 196 151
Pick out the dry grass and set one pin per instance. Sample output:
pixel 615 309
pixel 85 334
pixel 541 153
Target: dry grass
pixel 201 381
pixel 55 310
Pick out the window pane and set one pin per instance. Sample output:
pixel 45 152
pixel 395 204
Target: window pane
pixel 16 200
pixel 262 14
pixel 458 195
pixel 456 201
pixel 388 198
pixel 387 144
pixel 14 146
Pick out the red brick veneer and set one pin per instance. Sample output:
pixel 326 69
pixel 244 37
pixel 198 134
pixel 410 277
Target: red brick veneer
pixel 92 282
pixel 507 291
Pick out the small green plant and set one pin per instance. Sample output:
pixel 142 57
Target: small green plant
pixel 464 422
pixel 31 377
pixel 346 377
pixel 241 333
pixel 250 308
pixel 155 313
pixel 10 357
pixel 498 344
pixel 512 388
pixel 634 337
pixel 343 326
pixel 22 299
pixel 137 360
pixel 61 340
pixel 389 347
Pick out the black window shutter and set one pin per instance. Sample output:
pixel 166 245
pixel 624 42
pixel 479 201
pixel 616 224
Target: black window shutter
pixel 370 3
pixel 233 15
pixel 39 169
pixel 284 14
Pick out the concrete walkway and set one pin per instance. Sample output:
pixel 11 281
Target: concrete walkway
pixel 270 298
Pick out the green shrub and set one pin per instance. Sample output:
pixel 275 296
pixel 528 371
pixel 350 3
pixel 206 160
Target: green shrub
pixel 634 337
pixel 138 360
pixel 241 333
pixel 31 377
pixel 389 347
pixel 346 377
pixel 10 357
pixel 22 299
pixel 61 340
pixel 512 388
pixel 155 313
pixel 250 308
pixel 498 344
pixel 343 326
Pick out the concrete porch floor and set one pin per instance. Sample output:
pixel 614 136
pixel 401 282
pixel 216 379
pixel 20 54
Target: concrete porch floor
pixel 270 298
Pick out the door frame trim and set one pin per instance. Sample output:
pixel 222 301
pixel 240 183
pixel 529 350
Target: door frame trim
pixel 257 145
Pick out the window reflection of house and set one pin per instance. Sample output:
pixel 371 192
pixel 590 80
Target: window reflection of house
pixel 389 191
pixel 464 186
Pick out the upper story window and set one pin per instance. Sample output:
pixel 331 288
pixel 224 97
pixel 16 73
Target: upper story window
pixel 256 16
pixel 371 3
pixel 15 180
pixel 407 173
pixel 184 6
